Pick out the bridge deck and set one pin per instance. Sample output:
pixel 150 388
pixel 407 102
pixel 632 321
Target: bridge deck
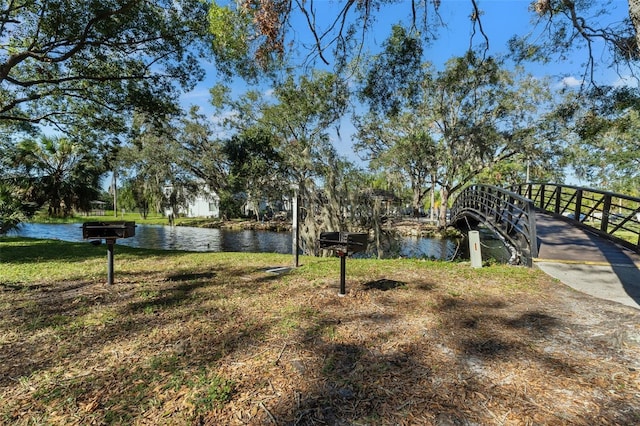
pixel 560 240
pixel 587 262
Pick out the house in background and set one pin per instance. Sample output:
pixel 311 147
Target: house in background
pixel 206 203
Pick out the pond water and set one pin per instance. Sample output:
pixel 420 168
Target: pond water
pixel 214 240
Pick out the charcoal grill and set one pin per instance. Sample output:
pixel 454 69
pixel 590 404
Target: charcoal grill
pixel 343 244
pixel 110 232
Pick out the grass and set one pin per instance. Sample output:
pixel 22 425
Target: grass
pixel 151 219
pixel 212 338
pixel 631 234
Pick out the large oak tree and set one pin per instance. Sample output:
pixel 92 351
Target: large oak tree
pixel 272 29
pixel 73 62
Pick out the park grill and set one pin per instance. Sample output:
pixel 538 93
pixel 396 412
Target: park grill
pixel 110 232
pixel 343 244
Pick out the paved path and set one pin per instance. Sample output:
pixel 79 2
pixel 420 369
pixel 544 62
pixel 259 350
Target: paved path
pixel 587 262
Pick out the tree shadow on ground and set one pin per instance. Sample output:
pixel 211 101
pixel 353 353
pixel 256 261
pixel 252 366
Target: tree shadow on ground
pixel 191 276
pixel 448 377
pixel 108 313
pixel 377 356
pixel 383 284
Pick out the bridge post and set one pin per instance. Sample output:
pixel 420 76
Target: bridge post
pixel 606 211
pixel 578 212
pixel 542 195
pixel 510 205
pixel 558 193
pixel 533 233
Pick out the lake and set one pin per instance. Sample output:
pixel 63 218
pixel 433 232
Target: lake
pixel 213 239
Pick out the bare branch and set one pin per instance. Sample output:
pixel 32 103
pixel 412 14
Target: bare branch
pixel 314 33
pixel 475 18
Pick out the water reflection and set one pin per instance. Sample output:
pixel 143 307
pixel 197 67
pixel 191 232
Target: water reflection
pixel 392 245
pixel 174 238
pixel 215 240
pixel 436 248
pixel 492 248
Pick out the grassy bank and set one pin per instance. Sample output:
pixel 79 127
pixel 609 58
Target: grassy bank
pixel 215 338
pixel 157 219
pixel 151 219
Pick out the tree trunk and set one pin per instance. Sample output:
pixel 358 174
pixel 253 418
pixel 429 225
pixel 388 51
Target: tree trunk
pixel 377 229
pixel 444 202
pixel 432 210
pixel 416 200
pixel 634 14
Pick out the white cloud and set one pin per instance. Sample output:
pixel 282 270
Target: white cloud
pixel 626 81
pixel 196 94
pixel 571 82
pixel 218 120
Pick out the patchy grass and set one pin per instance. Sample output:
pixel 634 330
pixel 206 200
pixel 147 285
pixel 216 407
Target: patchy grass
pixel 212 338
pixel 151 219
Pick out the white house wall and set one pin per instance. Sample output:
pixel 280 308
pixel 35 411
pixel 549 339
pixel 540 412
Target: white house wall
pixel 204 207
pixel 205 204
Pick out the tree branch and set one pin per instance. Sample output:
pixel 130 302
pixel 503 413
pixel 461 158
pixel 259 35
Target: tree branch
pixel 475 18
pixel 15 59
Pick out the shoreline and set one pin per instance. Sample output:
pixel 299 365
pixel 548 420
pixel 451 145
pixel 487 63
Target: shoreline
pixel 405 227
pixel 410 227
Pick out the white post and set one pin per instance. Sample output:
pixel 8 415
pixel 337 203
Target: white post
pixel 474 249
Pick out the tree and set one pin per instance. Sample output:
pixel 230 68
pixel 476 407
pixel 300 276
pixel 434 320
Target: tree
pixel 392 133
pixel 482 115
pixel 56 171
pixel 297 116
pixel 557 27
pixel 72 62
pixel 150 163
pixel 255 167
pixel 392 79
pixel 606 131
pixel 134 195
pixel 13 208
pixel 400 144
pixel 468 117
pixel 199 153
pixel 569 24
pixel 301 119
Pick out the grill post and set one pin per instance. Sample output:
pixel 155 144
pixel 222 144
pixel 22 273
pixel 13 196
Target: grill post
pixel 343 273
pixel 110 232
pixel 343 244
pixel 110 244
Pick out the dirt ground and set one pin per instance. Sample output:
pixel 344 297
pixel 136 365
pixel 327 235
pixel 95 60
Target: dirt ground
pixel 227 344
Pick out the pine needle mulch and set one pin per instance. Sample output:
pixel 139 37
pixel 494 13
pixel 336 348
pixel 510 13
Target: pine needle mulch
pixel 218 339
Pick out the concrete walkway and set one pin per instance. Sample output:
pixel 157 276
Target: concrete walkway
pixel 587 262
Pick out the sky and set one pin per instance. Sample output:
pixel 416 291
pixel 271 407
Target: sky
pixel 501 19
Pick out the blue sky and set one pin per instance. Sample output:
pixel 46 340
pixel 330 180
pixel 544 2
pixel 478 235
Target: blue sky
pixel 501 19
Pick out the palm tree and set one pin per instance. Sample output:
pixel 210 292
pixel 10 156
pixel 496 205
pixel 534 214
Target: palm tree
pixel 59 172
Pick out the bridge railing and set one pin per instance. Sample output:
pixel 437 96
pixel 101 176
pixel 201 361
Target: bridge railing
pixel 611 215
pixel 510 214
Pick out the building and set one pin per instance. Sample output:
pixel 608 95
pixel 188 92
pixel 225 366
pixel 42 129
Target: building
pixel 205 203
